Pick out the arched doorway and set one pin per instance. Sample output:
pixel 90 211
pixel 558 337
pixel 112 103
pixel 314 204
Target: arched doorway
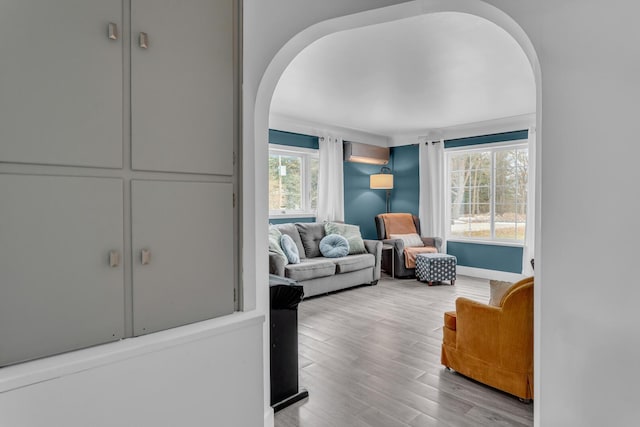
pixel 303 39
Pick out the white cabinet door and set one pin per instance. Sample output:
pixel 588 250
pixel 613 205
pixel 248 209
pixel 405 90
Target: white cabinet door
pixel 182 86
pixel 186 231
pixel 61 82
pixel 58 291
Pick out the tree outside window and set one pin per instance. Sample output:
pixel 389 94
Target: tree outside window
pixel 293 181
pixel 488 193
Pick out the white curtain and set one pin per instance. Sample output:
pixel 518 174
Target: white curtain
pixel 528 250
pixel 432 207
pixel 330 180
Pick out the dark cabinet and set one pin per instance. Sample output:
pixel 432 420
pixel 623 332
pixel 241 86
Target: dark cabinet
pixel 285 295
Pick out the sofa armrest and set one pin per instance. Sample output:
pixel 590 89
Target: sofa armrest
pixel 478 328
pixel 375 247
pixel 276 264
pixel 436 242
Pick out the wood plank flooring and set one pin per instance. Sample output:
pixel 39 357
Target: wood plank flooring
pixel 370 357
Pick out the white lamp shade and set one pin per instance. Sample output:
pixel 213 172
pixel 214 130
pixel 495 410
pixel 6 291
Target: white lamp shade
pixel 381 181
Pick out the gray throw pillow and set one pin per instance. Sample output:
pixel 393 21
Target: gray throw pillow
pixel 311 233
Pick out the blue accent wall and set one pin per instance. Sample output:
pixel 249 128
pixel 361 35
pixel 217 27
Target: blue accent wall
pixel 293 139
pixel 486 139
pixel 405 196
pixel 361 204
pixel 486 256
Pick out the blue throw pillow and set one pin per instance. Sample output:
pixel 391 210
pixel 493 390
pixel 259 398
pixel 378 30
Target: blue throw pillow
pixel 290 249
pixel 334 246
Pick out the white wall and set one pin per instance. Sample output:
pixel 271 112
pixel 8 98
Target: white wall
pixel 205 374
pixel 590 337
pixel 586 293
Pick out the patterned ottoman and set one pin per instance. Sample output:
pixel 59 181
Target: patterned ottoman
pixel 436 268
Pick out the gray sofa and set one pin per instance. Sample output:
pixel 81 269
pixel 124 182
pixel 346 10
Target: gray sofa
pixel 319 275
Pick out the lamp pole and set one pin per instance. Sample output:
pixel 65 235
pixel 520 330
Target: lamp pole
pixel 388 200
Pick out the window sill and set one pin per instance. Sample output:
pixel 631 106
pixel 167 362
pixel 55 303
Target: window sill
pixel 487 242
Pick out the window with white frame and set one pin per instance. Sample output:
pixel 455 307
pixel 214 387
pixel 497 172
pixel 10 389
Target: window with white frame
pixel 293 181
pixel 487 192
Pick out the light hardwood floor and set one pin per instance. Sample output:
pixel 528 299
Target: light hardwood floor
pixel 370 357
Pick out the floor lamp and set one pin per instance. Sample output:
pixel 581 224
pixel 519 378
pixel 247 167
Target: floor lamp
pixel 383 181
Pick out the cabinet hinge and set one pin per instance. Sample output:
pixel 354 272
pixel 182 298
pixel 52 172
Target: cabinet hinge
pixel 234 158
pixel 234 295
pixel 234 200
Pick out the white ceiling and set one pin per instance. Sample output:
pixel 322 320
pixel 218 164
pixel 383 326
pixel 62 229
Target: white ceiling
pixel 409 76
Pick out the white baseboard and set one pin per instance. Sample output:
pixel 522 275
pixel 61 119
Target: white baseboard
pixel 269 420
pixel 482 273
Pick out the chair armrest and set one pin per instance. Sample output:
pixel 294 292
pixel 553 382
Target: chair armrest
pixel 398 245
pixel 478 328
pixel 436 242
pixel 276 264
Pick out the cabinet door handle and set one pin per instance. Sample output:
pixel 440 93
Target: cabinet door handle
pixel 145 256
pixel 143 40
pixel 114 259
pixel 112 31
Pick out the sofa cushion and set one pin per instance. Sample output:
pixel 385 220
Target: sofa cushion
pixel 352 234
pixel 311 233
pixel 310 268
pixel 354 263
pixel 290 249
pixel 292 231
pixel 334 246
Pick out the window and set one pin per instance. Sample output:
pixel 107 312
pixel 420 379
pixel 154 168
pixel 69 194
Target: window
pixel 293 181
pixel 488 192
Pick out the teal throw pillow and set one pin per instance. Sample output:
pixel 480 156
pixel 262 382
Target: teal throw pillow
pixel 334 246
pixel 290 249
pixel 274 243
pixel 351 233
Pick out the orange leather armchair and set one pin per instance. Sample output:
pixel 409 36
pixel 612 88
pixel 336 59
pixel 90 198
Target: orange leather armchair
pixel 493 345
